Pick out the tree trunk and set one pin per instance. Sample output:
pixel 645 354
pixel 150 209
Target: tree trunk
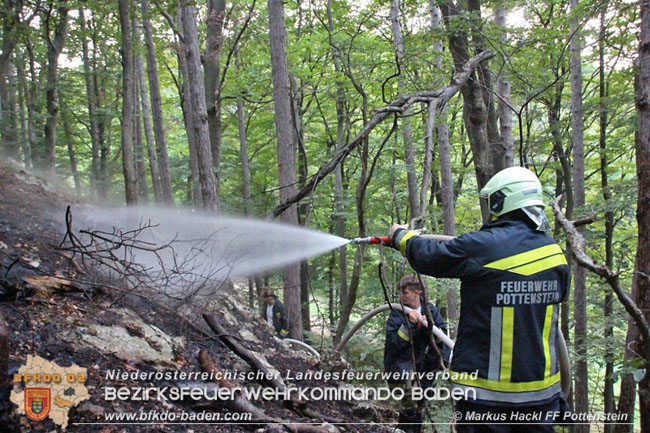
pixel 338 174
pixel 71 155
pixel 608 388
pixel 331 263
pixel 54 48
pixel 11 25
pixel 156 109
pixel 11 144
pixel 212 76
pixel 26 114
pixel 507 147
pixel 407 132
pixel 446 178
pixel 184 93
pixel 199 111
pixel 128 166
pixel 565 188
pixel 146 122
pixel 243 144
pixel 245 170
pixel 91 102
pixel 26 148
pixel 580 279
pixel 140 166
pixel 627 394
pixel 475 110
pixel 643 204
pixel 103 119
pixel 286 152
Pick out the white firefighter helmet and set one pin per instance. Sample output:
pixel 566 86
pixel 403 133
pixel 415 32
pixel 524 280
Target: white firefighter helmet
pixel 512 188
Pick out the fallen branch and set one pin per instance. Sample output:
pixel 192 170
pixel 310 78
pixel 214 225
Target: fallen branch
pixel 400 105
pixel 240 404
pixel 239 350
pixel 257 365
pixel 577 243
pixel 245 406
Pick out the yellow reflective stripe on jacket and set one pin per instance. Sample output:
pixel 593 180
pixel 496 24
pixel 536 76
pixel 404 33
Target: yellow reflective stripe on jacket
pixel 495 385
pixel 546 334
pixel 403 334
pixel 540 265
pixel 507 342
pixel 402 242
pixel 518 260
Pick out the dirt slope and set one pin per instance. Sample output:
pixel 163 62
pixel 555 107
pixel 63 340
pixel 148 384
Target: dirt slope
pixel 55 309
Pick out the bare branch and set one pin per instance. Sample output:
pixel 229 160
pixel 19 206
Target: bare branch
pixel 577 243
pixel 398 106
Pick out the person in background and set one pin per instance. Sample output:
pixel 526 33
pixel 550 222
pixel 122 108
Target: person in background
pixel 407 339
pixel 274 313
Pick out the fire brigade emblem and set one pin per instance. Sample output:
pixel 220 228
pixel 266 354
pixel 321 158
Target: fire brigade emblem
pixel 37 403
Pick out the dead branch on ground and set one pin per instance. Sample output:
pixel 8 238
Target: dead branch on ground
pixel 240 404
pixel 143 265
pixel 257 365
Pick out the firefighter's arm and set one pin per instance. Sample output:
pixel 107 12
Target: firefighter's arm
pixel 430 256
pixel 397 332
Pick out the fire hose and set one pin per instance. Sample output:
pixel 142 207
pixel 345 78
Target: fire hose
pixel 304 345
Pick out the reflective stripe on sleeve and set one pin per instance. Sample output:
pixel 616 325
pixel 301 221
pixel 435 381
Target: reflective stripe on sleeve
pixel 403 240
pixel 403 333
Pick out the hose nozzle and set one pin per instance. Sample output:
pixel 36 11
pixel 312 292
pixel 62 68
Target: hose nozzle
pixel 372 240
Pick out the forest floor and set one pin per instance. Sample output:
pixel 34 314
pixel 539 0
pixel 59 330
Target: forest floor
pixel 55 310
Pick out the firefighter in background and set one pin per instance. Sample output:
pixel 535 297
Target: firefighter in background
pixel 513 278
pixel 274 313
pixel 407 339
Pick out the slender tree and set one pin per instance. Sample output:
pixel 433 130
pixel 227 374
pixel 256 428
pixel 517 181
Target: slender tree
pixel 580 279
pixel 286 152
pixel 608 388
pixel 162 156
pixel 128 93
pixel 67 132
pixel 446 177
pixel 643 205
pixel 505 155
pixel 407 130
pixel 146 119
pixel 184 95
pixel 91 103
pixel 54 48
pixel 339 204
pixel 197 102
pixel 212 77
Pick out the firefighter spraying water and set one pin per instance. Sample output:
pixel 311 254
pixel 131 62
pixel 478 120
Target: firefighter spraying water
pixel 513 277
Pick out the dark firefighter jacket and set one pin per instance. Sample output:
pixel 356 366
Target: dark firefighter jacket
pixel 280 320
pixel 512 279
pixel 397 349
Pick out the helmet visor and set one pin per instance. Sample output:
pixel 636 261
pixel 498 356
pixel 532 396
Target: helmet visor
pixel 484 201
